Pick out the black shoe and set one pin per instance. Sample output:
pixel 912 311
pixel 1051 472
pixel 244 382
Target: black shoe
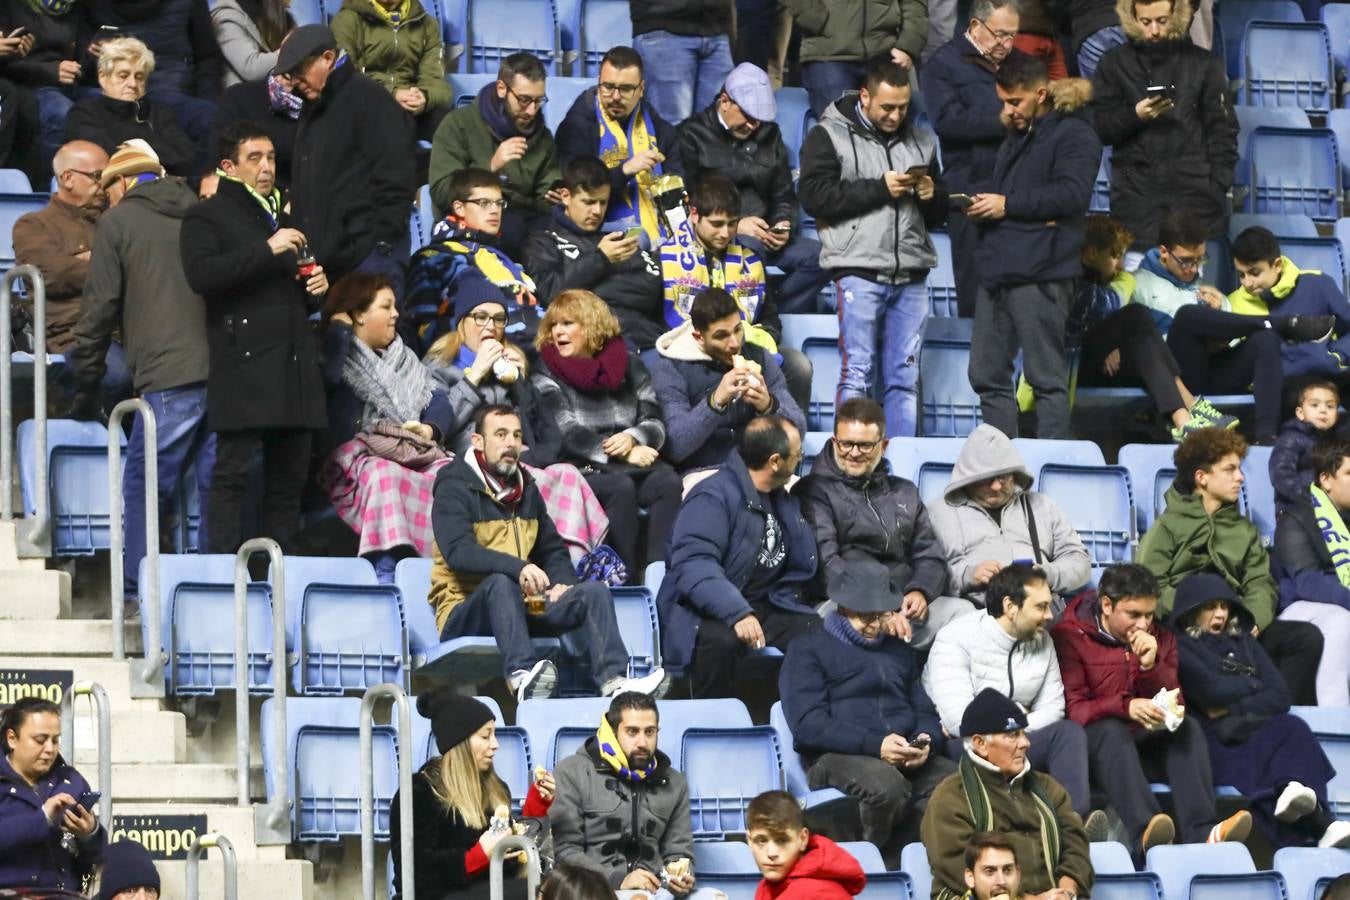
pixel 1303 328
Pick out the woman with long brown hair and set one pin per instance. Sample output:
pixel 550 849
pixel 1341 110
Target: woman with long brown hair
pixel 249 33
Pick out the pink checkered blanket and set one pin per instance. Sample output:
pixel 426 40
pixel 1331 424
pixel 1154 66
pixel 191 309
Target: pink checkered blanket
pixel 390 506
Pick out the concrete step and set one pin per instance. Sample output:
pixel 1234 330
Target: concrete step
pixel 155 736
pixel 292 879
pixel 115 676
pixel 32 593
pixel 235 822
pixel 169 782
pixel 9 559
pixel 73 637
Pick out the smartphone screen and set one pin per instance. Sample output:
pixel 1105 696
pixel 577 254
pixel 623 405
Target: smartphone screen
pixel 633 232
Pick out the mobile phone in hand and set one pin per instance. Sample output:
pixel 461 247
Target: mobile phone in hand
pixel 630 233
pixel 781 229
pixel 961 201
pixel 89 800
pixel 917 171
pixel 921 742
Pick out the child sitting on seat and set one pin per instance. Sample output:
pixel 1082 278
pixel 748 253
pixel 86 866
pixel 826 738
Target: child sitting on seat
pixel 1290 465
pixel 796 864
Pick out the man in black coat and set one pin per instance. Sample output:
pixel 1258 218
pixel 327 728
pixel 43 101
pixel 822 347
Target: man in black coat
pixel 253 101
pixel 573 251
pixel 1173 149
pixel 264 388
pixel 352 178
pixel 737 138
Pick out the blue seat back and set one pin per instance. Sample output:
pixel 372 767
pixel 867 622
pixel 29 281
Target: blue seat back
pixel 635 609
pixel 932 480
pixel 454 16
pixel 1259 491
pixel 1101 185
pixel 1295 171
pixel 718 792
pixel 14 181
pixel 12 206
pixel 1251 118
pixel 1036 452
pixel 812 443
pixel 562 93
pixel 307 12
pixel 413 579
pixel 604 24
pixel 1144 461
pixel 914 863
pixel 466 85
pixel 77 483
pixel 1281 225
pixel 949 406
pixel 514 763
pixel 887 886
pixel 906 454
pixel 941 278
pixel 1231 17
pixel 1222 865
pixel 1099 503
pixel 1322 254
pixel 1338 120
pixel 1110 858
pixel 543 719
pixel 818 337
pixel 201 639
pixel 867 855
pixel 1287 64
pixel 793 109
pixel 1336 16
pixel 723 858
pixel 1305 868
pixel 498 28
pixel 794 772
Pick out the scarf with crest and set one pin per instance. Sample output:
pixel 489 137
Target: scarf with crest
pixel 610 751
pixel 617 146
pixel 1334 533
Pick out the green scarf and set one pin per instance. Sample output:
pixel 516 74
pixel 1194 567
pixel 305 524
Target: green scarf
pixel 271 204
pixel 1334 533
pixel 612 753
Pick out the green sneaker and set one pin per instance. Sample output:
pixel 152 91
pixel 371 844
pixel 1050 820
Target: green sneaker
pixel 1205 410
pixel 1197 423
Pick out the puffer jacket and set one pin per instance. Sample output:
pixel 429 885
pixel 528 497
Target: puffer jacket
pixel 409 54
pixel 1184 540
pixel 1302 563
pixel 1290 466
pixel 825 871
pixel 31 853
pixel 1227 671
pixel 1101 675
pixel 702 18
pixel 974 652
pixel 1182 160
pixel 863 229
pixel 970 535
pixel 877 516
pixel 859 30
pixel 1046 173
pixel 597 820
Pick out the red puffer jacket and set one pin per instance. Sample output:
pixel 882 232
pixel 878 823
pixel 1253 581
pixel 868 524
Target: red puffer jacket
pixel 825 871
pixel 1101 674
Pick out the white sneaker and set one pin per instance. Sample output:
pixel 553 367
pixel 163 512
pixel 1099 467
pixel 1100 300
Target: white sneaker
pixel 1295 802
pixel 536 684
pixel 656 683
pixel 1336 835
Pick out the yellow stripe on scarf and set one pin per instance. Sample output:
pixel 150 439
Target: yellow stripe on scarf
pixel 617 146
pixel 1334 533
pixel 610 751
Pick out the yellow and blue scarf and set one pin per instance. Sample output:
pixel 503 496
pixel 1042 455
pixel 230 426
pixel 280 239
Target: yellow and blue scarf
pixel 617 146
pixel 1334 533
pixel 610 751
pixel 688 269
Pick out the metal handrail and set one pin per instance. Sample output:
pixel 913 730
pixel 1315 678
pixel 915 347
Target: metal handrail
pixel 152 673
pixel 405 772
pixel 103 710
pixel 513 842
pixel 33 538
pixel 227 857
pixel 272 819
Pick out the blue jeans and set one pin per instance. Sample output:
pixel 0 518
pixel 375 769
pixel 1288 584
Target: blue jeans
pixel 804 278
pixel 54 104
pixel 194 114
pixel 826 81
pixel 684 73
pixel 1095 45
pixel 182 441
pixel 888 317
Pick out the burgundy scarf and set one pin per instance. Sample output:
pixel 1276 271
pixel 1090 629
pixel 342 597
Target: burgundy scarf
pixel 605 371
pixel 501 491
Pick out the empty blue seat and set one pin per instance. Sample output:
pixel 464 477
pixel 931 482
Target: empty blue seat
pixel 932 480
pixel 14 181
pixel 1231 18
pixel 1036 452
pixel 818 337
pixel 1287 64
pixel 604 24
pixel 498 28
pixel 1336 16
pixel 1212 872
pixel 941 278
pixel 1259 492
pixel 906 454
pixel 1101 185
pixel 348 630
pixel 1308 870
pixel 1144 462
pixel 1323 254
pixel 1295 170
pixel 1110 858
pixel 867 855
pixel 307 12
pixel 914 863
pixel 793 110
pixel 949 406
pixel 514 764
pixel 324 752
pixel 578 716
pixel 718 792
pixel 562 93
pixel 454 16
pixel 723 858
pixel 812 443
pixel 1251 118
pixel 1282 226
pixel 12 206
pixel 77 483
pixel 1098 501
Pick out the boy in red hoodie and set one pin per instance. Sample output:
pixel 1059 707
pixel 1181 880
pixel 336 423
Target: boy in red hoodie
pixel 796 864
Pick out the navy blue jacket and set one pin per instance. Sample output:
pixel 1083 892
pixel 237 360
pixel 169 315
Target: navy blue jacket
pixel 1046 173
pixel 1315 295
pixel 712 552
pixel 1301 562
pixel 958 91
pixel 179 33
pixel 843 698
pixel 579 135
pixel 1207 682
pixel 31 854
pixel 1290 468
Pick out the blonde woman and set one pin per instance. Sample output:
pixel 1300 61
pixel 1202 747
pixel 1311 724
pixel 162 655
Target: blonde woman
pixel 454 798
pixel 123 112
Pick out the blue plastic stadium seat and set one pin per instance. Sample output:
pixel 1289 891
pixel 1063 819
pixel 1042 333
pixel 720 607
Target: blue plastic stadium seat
pixel 818 337
pixel 1295 171
pixel 466 85
pixel 498 28
pixel 867 855
pixel 812 443
pixel 77 483
pixel 941 278
pixel 1101 185
pixel 604 24
pixel 1251 118
pixel 1231 17
pixel 514 763
pixel 1288 64
pixel 1212 872
pixel 13 181
pixel 579 716
pixel 323 749
pixel 1332 727
pixel 1308 870
pixel 307 12
pixel 1098 501
pixel 949 406
pixel 12 206
pixel 1144 462
pixel 347 629
pixel 1110 858
pixel 887 886
pixel 723 858
pixel 932 480
pixel 635 608
pixel 718 792
pixel 562 93
pixel 1336 16
pixel 1282 226
pixel 914 863
pixel 906 454
pixel 1258 490
pixel 1036 452
pixel 1323 254
pixel 794 772
pixel 1338 120
pixel 793 109
pixel 454 17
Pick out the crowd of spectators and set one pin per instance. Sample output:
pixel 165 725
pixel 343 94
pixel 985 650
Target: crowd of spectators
pixel 583 374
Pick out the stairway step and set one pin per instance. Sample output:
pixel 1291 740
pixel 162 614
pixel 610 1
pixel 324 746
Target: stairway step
pixel 290 878
pixel 34 593
pixel 114 675
pixel 164 782
pixel 74 637
pixel 235 822
pixel 9 559
pixel 156 736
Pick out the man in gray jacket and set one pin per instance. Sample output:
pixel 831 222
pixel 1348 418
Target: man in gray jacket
pixel 989 518
pixel 645 825
pixel 1010 650
pixel 136 282
pixel 869 176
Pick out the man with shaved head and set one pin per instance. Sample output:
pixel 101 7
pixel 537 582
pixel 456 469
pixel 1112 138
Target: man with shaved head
pixel 58 238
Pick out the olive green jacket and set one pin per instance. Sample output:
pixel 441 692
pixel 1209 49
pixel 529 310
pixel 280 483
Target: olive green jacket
pixel 859 30
pixel 409 55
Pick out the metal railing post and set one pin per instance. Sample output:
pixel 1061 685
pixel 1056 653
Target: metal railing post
pixel 152 674
pixel 405 772
pixel 513 842
pixel 227 858
pixel 271 820
pixel 33 536
pixel 99 697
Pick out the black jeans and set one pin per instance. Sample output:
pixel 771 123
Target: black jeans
pixel 797 372
pixel 1029 317
pixel 1119 761
pixel 658 490
pixel 886 794
pixel 285 455
pixel 1144 357
pixel 1253 365
pixel 1296 649
pixel 717 651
